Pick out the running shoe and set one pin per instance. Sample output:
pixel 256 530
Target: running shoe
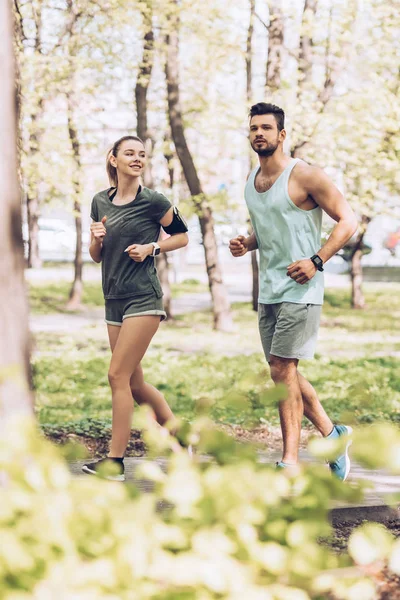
pixel 340 467
pixel 109 468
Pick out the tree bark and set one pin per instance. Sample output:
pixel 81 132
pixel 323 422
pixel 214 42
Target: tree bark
pixel 15 396
pixel 356 274
pixel 162 265
pixel 275 47
pixel 33 214
pixel 141 89
pixel 221 305
pixel 32 196
pixel 357 296
pixel 249 52
pixel 306 46
pixel 75 295
pixel 249 94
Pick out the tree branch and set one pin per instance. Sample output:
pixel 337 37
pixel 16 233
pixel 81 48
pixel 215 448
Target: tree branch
pixel 261 21
pixel 19 23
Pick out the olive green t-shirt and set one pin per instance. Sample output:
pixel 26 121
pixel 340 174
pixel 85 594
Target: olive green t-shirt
pixel 137 222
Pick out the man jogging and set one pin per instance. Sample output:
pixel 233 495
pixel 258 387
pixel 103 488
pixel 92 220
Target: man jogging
pixel 285 198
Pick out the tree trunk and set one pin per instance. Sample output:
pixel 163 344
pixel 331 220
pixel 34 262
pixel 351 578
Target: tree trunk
pixel 249 52
pixel 33 213
pixel 275 47
pixel 356 274
pixel 15 396
pixel 357 296
pixel 306 46
pixel 32 196
pixel 255 279
pixel 249 94
pixel 221 305
pixel 75 295
pixel 163 273
pixel 141 89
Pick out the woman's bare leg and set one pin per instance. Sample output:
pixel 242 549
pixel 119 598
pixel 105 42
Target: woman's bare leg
pixel 143 392
pixel 129 348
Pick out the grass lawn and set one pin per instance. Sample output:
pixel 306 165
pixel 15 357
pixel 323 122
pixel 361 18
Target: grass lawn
pixel 49 298
pixel 356 371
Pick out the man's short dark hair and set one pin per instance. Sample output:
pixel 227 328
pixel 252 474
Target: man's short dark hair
pixel 263 108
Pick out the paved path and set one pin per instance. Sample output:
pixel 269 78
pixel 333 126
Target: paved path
pixel 383 485
pixel 68 322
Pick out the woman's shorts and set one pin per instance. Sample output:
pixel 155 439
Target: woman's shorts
pixel 123 308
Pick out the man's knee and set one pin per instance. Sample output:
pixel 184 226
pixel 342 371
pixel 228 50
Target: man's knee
pixel 283 370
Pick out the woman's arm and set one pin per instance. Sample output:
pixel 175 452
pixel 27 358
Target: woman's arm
pixel 138 252
pixel 97 231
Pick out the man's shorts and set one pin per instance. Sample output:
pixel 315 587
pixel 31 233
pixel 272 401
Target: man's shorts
pixel 289 330
pixel 123 308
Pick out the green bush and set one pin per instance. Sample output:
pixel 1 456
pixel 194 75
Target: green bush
pixel 230 528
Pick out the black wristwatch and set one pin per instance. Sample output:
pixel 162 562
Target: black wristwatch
pixel 318 262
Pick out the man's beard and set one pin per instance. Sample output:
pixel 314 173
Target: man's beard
pixel 268 151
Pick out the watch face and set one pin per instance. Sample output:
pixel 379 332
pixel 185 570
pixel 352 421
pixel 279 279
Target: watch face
pixel 317 262
pixel 157 251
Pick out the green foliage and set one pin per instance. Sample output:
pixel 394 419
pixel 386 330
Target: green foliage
pixel 70 387
pixel 232 529
pixel 196 367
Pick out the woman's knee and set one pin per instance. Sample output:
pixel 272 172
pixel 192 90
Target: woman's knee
pixel 117 378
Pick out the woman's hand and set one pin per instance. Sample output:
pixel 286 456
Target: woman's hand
pixel 98 230
pixel 139 252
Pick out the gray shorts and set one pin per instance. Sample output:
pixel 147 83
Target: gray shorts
pixel 289 330
pixel 122 308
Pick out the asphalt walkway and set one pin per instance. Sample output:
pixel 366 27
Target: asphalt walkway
pixel 377 504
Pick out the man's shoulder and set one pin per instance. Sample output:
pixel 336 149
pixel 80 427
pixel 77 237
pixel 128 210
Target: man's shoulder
pixel 305 174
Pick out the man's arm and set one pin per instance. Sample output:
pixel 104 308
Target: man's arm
pixel 324 192
pixel 241 244
pixel 330 199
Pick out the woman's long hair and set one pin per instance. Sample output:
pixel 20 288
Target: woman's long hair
pixel 112 171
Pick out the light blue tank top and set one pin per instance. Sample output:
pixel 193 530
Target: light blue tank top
pixel 285 233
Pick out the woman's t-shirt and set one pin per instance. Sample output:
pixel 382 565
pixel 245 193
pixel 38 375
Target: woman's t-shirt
pixel 136 222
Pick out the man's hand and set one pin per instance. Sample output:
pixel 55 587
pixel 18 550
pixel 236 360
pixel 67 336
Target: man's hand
pixel 238 246
pixel 98 230
pixel 302 270
pixel 139 252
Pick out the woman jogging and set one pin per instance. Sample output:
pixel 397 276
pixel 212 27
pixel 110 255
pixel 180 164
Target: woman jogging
pixel 127 219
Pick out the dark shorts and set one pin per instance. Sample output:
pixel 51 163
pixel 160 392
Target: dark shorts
pixel 120 309
pixel 289 330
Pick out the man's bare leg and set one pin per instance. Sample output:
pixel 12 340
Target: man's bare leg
pixel 313 409
pixel 284 370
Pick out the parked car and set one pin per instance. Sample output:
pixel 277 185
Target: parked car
pixel 57 241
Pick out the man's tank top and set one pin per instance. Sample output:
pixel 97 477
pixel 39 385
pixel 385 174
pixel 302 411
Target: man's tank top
pixel 285 233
